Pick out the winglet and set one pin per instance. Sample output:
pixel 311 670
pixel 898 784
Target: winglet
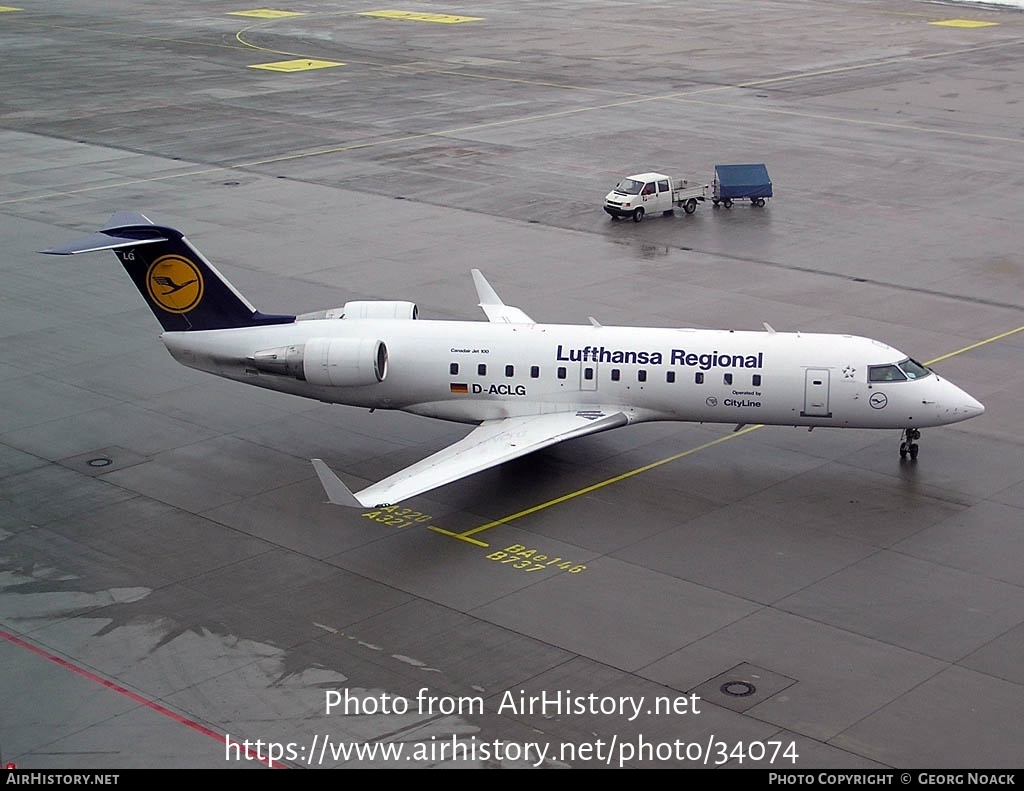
pixel 337 492
pixel 492 305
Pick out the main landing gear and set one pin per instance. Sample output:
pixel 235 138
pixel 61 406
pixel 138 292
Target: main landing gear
pixel 909 444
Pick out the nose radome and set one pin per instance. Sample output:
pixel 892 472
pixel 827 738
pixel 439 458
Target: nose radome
pixel 963 402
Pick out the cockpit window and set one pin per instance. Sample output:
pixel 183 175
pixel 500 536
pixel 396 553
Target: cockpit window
pixel 901 372
pixel 885 373
pixel 913 369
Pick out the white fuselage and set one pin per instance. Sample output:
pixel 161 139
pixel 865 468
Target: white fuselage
pixel 474 371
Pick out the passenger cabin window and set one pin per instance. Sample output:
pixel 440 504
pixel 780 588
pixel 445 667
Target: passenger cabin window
pixel 510 370
pixel 561 372
pixel 616 374
pixel 663 185
pixel 641 375
pixel 755 380
pixel 727 379
pixel 698 377
pixel 588 374
pixel 481 369
pixel 670 376
pixel 885 373
pixel 534 371
pixel 453 368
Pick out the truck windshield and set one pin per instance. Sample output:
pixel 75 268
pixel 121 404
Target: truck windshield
pixel 629 186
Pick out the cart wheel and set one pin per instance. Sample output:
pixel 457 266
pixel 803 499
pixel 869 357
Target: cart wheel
pixel 691 206
pixel 759 201
pixel 638 215
pixel 715 201
pixel 727 202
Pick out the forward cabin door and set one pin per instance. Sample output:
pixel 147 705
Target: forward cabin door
pixel 816 386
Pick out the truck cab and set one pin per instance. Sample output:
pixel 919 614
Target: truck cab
pixel 635 196
pixel 643 193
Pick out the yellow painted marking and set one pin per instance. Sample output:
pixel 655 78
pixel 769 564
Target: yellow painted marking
pixel 9 8
pixel 414 16
pixel 985 342
pixel 963 23
pixel 600 485
pixel 266 13
pixel 301 64
pixel 633 100
pixel 461 536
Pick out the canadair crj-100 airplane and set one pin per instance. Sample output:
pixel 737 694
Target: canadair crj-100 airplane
pixel 524 385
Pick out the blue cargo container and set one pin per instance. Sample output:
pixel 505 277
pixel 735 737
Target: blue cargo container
pixel 736 182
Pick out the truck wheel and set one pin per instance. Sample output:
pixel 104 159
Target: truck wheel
pixel 691 206
pixel 727 202
pixel 638 215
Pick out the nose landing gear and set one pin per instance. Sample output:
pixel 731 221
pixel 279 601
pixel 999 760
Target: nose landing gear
pixel 909 443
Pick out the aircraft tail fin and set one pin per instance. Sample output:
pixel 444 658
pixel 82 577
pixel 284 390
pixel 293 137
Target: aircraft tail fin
pixel 183 289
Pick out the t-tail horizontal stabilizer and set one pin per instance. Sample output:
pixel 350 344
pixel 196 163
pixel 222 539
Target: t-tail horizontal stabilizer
pixel 183 289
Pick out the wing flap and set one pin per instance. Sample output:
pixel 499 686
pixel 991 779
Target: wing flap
pixel 489 444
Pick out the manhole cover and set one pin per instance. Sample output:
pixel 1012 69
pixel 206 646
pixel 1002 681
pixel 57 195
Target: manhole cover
pixel 738 689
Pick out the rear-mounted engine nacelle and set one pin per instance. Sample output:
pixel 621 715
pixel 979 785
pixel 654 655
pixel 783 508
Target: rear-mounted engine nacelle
pixel 380 310
pixel 331 362
pixel 369 309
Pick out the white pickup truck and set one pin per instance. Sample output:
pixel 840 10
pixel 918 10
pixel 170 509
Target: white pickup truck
pixel 644 193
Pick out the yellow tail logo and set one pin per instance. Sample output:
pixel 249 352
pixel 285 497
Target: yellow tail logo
pixel 175 284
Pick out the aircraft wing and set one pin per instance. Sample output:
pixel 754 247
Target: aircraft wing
pixel 492 305
pixel 489 444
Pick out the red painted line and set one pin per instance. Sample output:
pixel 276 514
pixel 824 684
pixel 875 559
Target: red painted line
pixel 149 704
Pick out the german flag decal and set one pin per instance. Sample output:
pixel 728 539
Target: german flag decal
pixel 459 388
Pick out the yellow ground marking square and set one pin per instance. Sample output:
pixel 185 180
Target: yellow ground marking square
pixel 963 23
pixel 415 16
pixel 302 64
pixel 9 8
pixel 266 13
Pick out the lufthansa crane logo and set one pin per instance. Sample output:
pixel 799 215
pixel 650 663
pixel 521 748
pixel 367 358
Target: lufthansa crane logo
pixel 878 400
pixel 175 284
